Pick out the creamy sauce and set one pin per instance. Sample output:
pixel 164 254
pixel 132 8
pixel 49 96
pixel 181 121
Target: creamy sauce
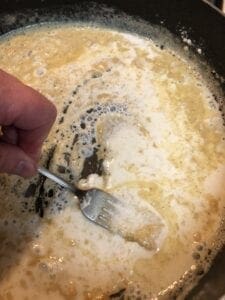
pixel 148 116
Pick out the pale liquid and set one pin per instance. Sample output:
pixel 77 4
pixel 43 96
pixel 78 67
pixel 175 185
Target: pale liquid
pixel 162 143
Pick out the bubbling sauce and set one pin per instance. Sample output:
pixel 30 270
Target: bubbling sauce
pixel 139 122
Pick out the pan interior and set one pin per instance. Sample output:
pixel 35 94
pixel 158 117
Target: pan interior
pixel 137 119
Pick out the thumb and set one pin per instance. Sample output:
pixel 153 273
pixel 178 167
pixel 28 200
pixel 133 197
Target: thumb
pixel 13 160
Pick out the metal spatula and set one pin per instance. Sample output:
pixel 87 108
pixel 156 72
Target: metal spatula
pixel 109 212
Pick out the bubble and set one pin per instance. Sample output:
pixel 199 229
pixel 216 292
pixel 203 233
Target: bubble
pixel 199 247
pixel 40 71
pixel 86 132
pixel 134 292
pixel 196 255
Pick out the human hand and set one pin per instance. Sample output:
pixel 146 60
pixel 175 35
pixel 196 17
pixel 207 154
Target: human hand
pixel 26 118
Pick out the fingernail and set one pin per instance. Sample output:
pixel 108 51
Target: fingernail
pixel 25 168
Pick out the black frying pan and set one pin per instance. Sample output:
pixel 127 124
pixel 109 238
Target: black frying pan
pixel 205 26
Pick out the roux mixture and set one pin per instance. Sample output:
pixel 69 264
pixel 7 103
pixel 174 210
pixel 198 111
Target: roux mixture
pixel 136 120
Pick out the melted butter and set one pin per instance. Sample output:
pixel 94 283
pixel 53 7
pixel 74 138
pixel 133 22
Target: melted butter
pixel 161 140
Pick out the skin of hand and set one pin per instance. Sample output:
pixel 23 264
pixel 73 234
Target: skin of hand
pixel 26 118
